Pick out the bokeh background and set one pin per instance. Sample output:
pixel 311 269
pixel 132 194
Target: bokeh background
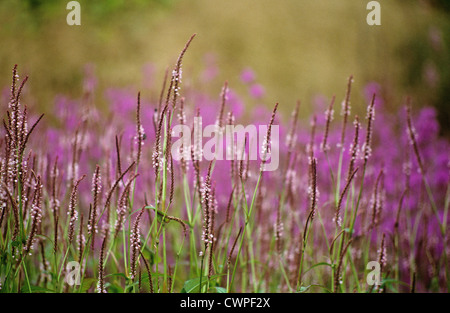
pixel 298 49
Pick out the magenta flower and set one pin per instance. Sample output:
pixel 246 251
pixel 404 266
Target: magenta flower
pixel 257 91
pixel 247 76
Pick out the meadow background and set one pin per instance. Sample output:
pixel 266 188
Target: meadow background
pixel 95 181
pixel 298 49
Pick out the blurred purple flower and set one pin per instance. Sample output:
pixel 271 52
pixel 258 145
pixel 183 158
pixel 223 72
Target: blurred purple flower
pixel 148 75
pixel 90 80
pixel 257 91
pixel 247 76
pixel 211 70
pixel 374 88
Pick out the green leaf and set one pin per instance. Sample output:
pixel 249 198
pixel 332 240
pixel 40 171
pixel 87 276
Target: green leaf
pixel 304 288
pixel 144 279
pixel 4 256
pixel 36 289
pixel 193 285
pixel 117 274
pixel 113 288
pixel 44 237
pixel 220 289
pixel 159 214
pixel 87 284
pixel 318 264
pixel 16 243
pixel 162 216
pixel 150 256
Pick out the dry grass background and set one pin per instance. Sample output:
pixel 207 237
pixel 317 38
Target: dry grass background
pixel 297 48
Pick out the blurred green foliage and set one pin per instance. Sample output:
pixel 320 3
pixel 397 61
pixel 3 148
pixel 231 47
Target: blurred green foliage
pixel 97 7
pixel 427 64
pixel 441 4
